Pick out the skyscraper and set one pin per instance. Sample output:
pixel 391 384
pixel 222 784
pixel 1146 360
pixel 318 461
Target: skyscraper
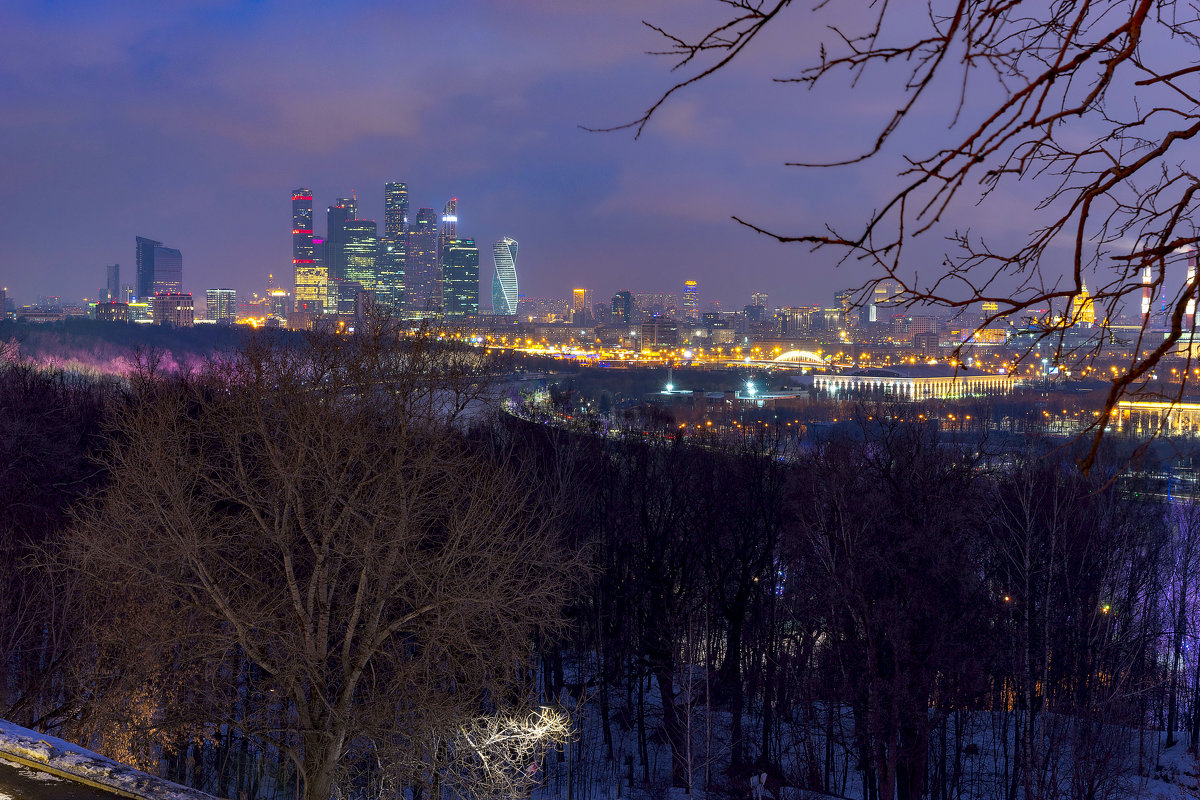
pixel 338 214
pixel 390 264
pixel 395 209
pixel 691 303
pixel 461 271
pixel 360 248
pixel 504 281
pixel 449 230
pixel 222 305
pixel 159 269
pixel 307 275
pixel 622 308
pixel 422 277
pixel 579 307
pixel 112 284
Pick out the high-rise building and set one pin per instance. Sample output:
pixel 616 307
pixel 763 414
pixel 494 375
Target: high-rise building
pixel 622 308
pixel 307 275
pixel 159 268
pixel 579 306
pixel 112 284
pixel 691 301
pixel 390 264
pixel 504 280
pixel 173 308
pixel 4 303
pixel 449 231
pixel 461 270
pixel 422 277
pixel 336 217
pixel 395 209
pixel 361 248
pixel 222 306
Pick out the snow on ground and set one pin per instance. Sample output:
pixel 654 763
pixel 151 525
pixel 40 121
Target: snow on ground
pixel 28 746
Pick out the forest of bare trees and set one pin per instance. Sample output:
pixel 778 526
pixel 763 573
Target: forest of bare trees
pixel 325 569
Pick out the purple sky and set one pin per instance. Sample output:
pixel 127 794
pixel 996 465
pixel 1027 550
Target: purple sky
pixel 191 122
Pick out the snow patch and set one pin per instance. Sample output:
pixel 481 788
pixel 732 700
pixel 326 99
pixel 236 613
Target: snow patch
pixel 62 755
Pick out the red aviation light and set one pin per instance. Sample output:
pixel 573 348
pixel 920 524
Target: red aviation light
pixel 302 197
pixel 301 230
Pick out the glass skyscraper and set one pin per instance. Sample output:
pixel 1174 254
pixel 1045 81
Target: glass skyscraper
pixel 504 281
pixel 159 268
pixel 307 274
pixel 360 248
pixel 341 212
pixel 395 209
pixel 461 270
pixel 423 279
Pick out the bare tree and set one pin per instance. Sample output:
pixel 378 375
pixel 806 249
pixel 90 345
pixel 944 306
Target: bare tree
pixel 1094 103
pixel 314 509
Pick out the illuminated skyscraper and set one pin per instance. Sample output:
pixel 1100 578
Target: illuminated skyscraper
pixel 622 308
pixel 159 269
pixel 504 281
pixel 341 212
pixel 307 274
pixel 449 230
pixel 222 305
pixel 422 278
pixel 691 308
pixel 395 209
pixel 580 313
pixel 461 270
pixel 360 247
pixel 390 263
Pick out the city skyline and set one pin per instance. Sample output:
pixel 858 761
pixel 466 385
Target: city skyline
pixel 238 119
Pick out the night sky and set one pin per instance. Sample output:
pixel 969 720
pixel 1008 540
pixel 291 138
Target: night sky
pixel 191 122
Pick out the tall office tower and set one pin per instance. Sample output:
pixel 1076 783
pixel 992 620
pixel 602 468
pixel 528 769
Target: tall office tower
pixel 395 209
pixel 341 212
pixel 390 264
pixel 144 287
pixel 307 275
pixel 159 269
pixel 3 303
pixel 759 299
pixel 622 308
pixel 360 248
pixel 579 306
pixel 422 278
pixel 461 271
pixel 504 281
pixel 112 285
pixel 691 301
pixel 449 230
pixel 222 306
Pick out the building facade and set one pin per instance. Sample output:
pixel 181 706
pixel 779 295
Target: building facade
pixel 159 268
pixel 504 280
pixel 422 276
pixel 307 276
pixel 461 271
pixel 221 306
pixel 173 308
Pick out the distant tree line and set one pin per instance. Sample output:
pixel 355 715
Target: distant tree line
pixel 325 568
